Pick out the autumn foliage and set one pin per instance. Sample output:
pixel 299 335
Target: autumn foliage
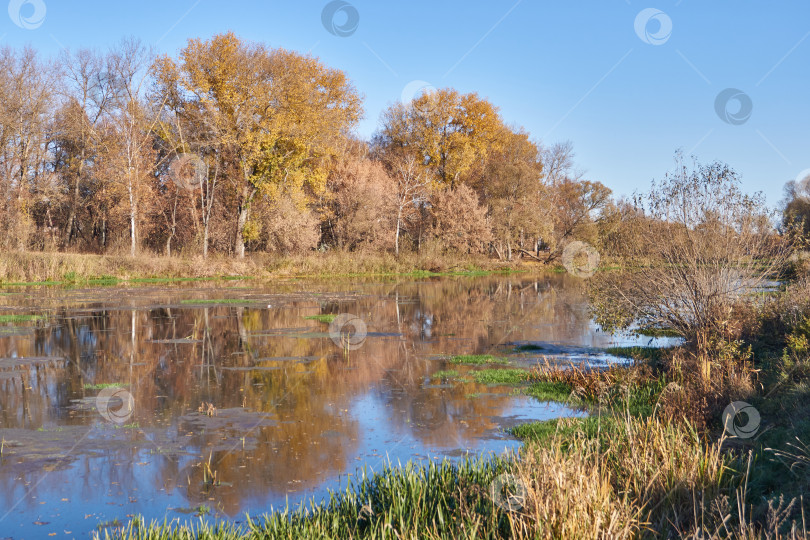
pixel 234 147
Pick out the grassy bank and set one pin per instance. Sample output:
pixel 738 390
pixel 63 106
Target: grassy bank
pixel 625 472
pixel 36 268
pixel 622 473
pixel 653 459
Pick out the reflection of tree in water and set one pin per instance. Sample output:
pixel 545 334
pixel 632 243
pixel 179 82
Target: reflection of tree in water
pixel 274 362
pixel 489 313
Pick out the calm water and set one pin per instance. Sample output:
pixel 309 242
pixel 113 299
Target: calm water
pixel 295 414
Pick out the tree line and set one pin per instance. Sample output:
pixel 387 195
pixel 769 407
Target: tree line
pixel 235 147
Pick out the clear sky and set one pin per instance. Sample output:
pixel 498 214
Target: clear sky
pixel 627 81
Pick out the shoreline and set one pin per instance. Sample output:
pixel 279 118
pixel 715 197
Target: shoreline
pixel 19 269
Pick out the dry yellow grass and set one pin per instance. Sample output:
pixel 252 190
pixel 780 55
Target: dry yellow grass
pixel 637 478
pixel 36 267
pixel 55 266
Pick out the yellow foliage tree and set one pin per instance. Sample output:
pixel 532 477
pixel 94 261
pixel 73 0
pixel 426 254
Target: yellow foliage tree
pixel 450 133
pixel 274 115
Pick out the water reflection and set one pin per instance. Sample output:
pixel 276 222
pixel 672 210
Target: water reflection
pixel 294 413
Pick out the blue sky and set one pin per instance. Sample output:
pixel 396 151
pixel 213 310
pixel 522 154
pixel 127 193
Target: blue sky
pixel 565 70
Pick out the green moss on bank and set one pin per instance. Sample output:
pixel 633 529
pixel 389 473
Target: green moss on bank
pixel 324 318
pixel 477 359
pixel 21 318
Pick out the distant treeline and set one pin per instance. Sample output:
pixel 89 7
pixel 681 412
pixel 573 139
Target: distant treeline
pixel 233 146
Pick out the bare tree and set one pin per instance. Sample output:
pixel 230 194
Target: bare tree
pixel 128 72
pixel 87 93
pixel 412 186
pixel 26 85
pixel 703 245
pixel 460 223
pixel 558 163
pixel 796 209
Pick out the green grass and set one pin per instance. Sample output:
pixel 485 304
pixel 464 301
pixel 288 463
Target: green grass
pixel 445 374
pixel 21 318
pixel 185 279
pixel 539 431
pixel 171 279
pixel 112 523
pixel 216 301
pixel 477 359
pixel 652 331
pixel 637 400
pixel 30 283
pixel 640 400
pixel 102 386
pixel 550 391
pixel 500 376
pixel 324 318
pixel 543 431
pixel 443 501
pixel 72 279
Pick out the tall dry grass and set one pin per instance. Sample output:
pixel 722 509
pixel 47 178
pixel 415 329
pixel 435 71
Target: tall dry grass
pixel 637 478
pixel 56 266
pixel 38 267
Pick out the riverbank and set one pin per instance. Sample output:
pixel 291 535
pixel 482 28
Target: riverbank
pixel 36 268
pixel 621 473
pixel 676 445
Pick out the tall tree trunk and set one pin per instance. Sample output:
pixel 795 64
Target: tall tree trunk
pixel 205 240
pixel 244 208
pixel 172 228
pixel 240 225
pixel 399 222
pixel 207 188
pixel 74 203
pixel 132 221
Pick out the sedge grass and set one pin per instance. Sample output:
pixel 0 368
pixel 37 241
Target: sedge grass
pixel 641 478
pixel 500 376
pixel 21 318
pixel 324 318
pixel 477 359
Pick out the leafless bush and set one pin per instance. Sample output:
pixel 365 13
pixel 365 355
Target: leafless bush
pixel 286 228
pixel 459 221
pixel 362 209
pixel 709 247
